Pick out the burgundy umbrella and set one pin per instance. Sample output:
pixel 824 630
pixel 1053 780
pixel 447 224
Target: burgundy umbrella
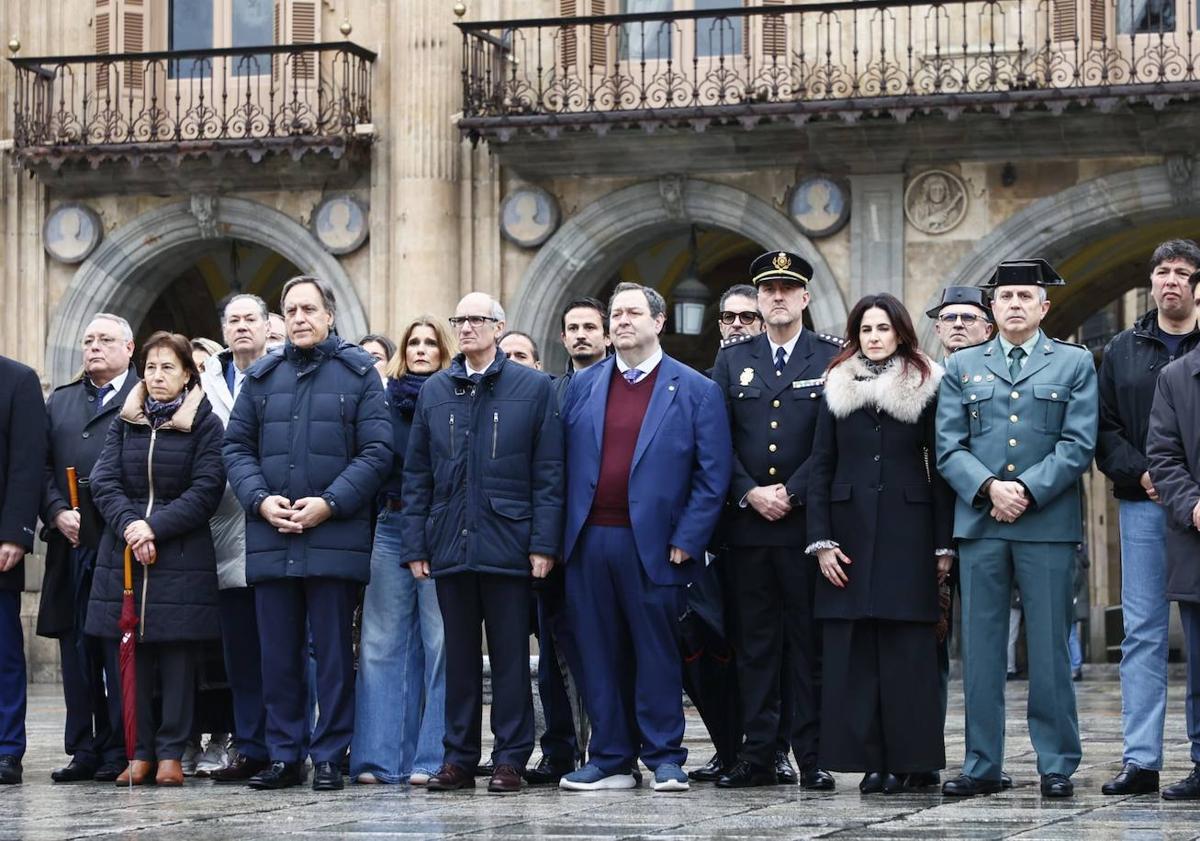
pixel 128 624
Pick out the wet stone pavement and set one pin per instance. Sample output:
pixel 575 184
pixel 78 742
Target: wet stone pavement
pixel 40 809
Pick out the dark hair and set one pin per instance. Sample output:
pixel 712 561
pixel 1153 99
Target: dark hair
pixel 907 345
pixel 178 345
pixel 537 356
pixel 1176 249
pixel 654 298
pixel 327 297
pixel 744 290
pixel 389 347
pixel 223 306
pixel 586 303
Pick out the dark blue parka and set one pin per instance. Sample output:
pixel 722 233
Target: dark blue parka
pixel 310 423
pixel 483 477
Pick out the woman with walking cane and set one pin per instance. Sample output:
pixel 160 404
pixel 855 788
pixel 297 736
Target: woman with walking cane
pixel 157 482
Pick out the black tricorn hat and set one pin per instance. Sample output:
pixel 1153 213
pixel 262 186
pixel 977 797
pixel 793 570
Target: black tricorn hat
pixel 972 295
pixel 781 265
pixel 1036 272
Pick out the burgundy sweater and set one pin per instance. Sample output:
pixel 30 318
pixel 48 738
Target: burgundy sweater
pixel 623 417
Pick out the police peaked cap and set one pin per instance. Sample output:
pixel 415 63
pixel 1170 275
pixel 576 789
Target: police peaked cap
pixel 781 265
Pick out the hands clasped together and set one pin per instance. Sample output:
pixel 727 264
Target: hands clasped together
pixel 294 517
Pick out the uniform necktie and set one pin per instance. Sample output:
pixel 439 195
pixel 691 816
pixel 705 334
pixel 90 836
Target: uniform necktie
pixel 631 376
pixel 780 360
pixel 1014 362
pixel 101 393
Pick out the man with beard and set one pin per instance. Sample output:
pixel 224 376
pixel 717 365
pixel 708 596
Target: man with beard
pixel 585 336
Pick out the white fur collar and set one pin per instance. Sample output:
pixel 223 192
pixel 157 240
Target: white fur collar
pixel 898 392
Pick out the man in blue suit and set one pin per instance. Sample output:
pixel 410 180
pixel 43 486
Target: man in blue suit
pixel 649 459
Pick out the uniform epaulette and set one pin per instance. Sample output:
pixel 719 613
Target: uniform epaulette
pixel 836 341
pixel 734 340
pixel 1070 344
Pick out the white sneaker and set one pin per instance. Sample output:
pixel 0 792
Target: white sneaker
pixel 419 778
pixel 591 778
pixel 215 756
pixel 366 778
pixel 188 760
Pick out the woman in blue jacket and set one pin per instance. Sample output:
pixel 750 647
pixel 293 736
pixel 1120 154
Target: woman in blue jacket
pixel 401 691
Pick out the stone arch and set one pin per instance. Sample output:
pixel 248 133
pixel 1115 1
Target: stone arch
pixel 1057 226
pixel 583 254
pixel 124 274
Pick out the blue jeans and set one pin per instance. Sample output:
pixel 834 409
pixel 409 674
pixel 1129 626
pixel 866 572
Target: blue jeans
pixel 1076 647
pixel 401 697
pixel 1146 613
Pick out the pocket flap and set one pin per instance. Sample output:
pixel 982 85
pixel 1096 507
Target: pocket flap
pixel 743 392
pixel 1057 393
pixel 840 492
pixel 917 493
pixel 512 509
pixel 975 393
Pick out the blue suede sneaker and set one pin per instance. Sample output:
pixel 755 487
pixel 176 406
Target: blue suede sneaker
pixel 670 777
pixel 591 778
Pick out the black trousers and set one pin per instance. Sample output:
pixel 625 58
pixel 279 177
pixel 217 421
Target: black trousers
pixel 92 733
pixel 777 642
pixel 470 601
pixel 710 680
pixel 163 728
pixel 243 665
pixel 556 642
pixel 881 705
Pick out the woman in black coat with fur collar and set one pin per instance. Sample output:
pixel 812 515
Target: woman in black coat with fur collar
pixel 880 522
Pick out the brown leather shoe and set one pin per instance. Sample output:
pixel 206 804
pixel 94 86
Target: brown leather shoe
pixel 170 773
pixel 505 780
pixel 141 770
pixel 241 769
pixel 450 777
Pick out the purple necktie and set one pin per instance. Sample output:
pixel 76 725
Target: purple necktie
pixel 631 376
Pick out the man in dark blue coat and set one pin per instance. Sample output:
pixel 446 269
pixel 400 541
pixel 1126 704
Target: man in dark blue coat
pixel 80 414
pixel 483 495
pixel 22 461
pixel 306 449
pixel 649 459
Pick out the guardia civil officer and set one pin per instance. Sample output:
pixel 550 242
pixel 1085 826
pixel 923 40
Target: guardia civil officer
pixel 773 384
pixel 1016 428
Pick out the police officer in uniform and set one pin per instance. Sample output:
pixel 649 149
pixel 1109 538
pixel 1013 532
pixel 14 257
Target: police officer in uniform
pixel 1016 428
pixel 773 384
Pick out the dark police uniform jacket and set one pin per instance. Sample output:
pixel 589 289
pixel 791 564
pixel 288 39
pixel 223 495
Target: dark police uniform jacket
pixel 774 419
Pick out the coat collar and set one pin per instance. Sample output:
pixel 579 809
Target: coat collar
pixel 182 421
pixel 898 391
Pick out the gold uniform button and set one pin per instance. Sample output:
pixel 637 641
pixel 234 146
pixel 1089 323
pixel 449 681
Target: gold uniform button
pixel 771 471
pixel 1012 442
pixel 1012 418
pixel 1015 395
pixel 772 448
pixel 1054 395
pixel 1012 468
pixel 774 424
pixel 775 404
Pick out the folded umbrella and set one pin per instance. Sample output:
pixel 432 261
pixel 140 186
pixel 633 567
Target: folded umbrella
pixel 127 625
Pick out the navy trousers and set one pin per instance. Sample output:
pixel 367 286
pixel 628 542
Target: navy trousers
pixel 93 732
pixel 1189 613
pixel 471 601
pixel 285 608
pixel 12 676
pixel 243 667
pixel 627 629
pixel 556 641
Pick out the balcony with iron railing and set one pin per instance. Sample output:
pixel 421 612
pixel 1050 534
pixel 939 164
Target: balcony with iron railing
pixel 294 98
pixel 797 62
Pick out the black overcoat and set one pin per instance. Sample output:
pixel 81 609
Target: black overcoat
pixel 22 459
pixel 187 476
pixel 873 488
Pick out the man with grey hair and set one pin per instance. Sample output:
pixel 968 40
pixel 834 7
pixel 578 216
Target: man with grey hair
pixel 80 413
pixel 244 328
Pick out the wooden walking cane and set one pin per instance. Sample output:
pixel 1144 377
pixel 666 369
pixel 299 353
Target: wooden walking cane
pixel 73 488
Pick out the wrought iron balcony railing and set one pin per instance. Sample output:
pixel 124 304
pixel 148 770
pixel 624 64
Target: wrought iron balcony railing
pixel 296 97
pixel 802 60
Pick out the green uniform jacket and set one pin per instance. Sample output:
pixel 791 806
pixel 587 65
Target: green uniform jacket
pixel 1039 430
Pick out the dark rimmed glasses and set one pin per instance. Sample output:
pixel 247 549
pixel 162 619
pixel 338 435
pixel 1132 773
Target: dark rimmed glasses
pixel 727 317
pixel 457 321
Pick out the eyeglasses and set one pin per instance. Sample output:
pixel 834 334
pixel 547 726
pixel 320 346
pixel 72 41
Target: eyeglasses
pixel 727 317
pixel 457 321
pixel 102 341
pixel 967 318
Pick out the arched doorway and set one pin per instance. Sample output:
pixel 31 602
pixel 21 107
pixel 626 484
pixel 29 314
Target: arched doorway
pixel 597 246
pixel 136 264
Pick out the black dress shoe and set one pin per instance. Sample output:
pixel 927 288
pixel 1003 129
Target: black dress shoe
pixel 964 786
pixel 1186 789
pixel 1132 780
pixel 1057 785
pixel 710 772
pixel 10 770
pixel 74 772
pixel 745 775
pixel 893 784
pixel 278 775
pixel 872 783
pixel 241 769
pixel 450 777
pixel 109 771
pixel 923 779
pixel 546 773
pixel 327 776
pixel 1005 781
pixel 815 779
pixel 785 774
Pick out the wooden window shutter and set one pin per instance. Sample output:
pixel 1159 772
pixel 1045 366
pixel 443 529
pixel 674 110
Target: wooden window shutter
pixel 133 40
pixel 298 22
pixel 102 27
pixel 569 39
pixel 774 33
pixel 1065 22
pixel 1097 20
pixel 598 35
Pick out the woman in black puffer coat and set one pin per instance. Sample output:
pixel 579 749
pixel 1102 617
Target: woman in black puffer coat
pixel 157 482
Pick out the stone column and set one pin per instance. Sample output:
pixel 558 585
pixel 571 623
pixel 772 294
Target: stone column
pixel 876 235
